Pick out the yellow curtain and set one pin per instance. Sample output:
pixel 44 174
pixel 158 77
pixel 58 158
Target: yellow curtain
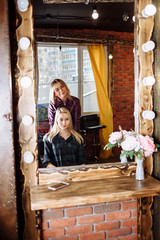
pixel 97 57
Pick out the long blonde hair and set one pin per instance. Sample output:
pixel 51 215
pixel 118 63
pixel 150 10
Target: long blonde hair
pixel 55 128
pixel 52 96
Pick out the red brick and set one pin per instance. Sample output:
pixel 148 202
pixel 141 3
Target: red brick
pixel 107 226
pixel 129 205
pixel 66 238
pixel 112 238
pixel 63 223
pixel 118 215
pixel 106 208
pixel 134 229
pixel 91 219
pixel 47 215
pixel 79 229
pixel 78 211
pixel 129 222
pixel 53 233
pixel 119 232
pixel 134 213
pixel 129 237
pixel 45 225
pixel 93 236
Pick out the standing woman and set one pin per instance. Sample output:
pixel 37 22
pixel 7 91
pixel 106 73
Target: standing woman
pixel 60 97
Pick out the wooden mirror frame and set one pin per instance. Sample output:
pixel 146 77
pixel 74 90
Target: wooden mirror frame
pixel 27 108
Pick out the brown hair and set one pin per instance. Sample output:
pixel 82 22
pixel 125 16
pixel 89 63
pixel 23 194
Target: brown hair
pixel 52 97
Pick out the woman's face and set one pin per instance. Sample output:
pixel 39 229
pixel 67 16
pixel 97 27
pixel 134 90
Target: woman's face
pixel 63 121
pixel 60 91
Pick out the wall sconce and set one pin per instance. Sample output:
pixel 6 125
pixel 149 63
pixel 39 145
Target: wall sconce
pixel 149 81
pixel 24 43
pixel 149 11
pixel 95 14
pixel 148 46
pixel 27 120
pixel 110 56
pixel 25 82
pixel 28 157
pixel 150 115
pixel 125 17
pixel 22 5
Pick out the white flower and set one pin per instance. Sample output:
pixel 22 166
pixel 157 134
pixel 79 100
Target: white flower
pixel 114 137
pixel 126 134
pixel 130 143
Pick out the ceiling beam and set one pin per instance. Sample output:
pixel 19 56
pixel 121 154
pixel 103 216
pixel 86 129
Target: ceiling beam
pixel 83 1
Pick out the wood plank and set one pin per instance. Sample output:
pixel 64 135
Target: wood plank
pixel 95 191
pixel 85 172
pixel 82 1
pixel 156 163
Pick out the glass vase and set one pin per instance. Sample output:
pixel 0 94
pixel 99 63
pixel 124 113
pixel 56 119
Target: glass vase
pixel 139 169
pixel 123 159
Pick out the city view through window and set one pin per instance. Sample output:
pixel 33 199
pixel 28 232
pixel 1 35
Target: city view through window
pixel 72 65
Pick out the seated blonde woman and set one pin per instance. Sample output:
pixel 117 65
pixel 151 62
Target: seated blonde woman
pixel 63 146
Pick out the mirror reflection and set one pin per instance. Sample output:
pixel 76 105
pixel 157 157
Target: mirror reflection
pixel 63 34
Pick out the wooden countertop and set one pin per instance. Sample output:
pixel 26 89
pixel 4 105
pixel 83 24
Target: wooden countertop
pixel 93 191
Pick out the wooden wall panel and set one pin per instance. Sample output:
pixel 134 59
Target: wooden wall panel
pixel 8 209
pixel 26 107
pixel 145 103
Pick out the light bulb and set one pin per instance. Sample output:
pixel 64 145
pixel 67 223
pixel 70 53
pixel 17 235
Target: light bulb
pixel 24 43
pixel 133 18
pixel 25 82
pixel 149 81
pixel 149 11
pixel 148 46
pixel 28 157
pixel 110 56
pixel 95 14
pixel 27 120
pixel 150 115
pixel 22 5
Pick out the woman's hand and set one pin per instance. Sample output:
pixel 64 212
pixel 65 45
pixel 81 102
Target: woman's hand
pixel 50 165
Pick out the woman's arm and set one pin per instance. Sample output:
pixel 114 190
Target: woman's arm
pixel 48 154
pixel 77 114
pixel 81 155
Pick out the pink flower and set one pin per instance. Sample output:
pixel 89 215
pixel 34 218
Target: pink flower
pixel 147 145
pixel 130 143
pixel 114 137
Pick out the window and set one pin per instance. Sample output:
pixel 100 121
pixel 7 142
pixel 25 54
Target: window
pixel 71 64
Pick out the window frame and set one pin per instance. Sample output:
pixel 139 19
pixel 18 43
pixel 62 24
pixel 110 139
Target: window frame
pixel 80 48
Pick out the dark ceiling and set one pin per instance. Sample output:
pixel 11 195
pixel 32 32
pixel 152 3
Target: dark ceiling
pixel 78 16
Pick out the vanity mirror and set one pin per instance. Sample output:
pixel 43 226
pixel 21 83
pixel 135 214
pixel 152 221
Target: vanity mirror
pixel 26 105
pixel 54 29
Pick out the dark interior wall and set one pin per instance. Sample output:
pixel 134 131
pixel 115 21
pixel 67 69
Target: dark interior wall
pixel 8 208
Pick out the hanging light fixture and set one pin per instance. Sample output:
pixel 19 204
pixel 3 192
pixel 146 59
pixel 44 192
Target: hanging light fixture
pixel 110 56
pixel 86 2
pixel 95 14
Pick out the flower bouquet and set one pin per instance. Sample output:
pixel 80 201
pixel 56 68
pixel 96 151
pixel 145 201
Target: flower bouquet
pixel 132 144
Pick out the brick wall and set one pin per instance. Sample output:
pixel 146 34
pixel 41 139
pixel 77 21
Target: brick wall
pixel 112 221
pixel 123 87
